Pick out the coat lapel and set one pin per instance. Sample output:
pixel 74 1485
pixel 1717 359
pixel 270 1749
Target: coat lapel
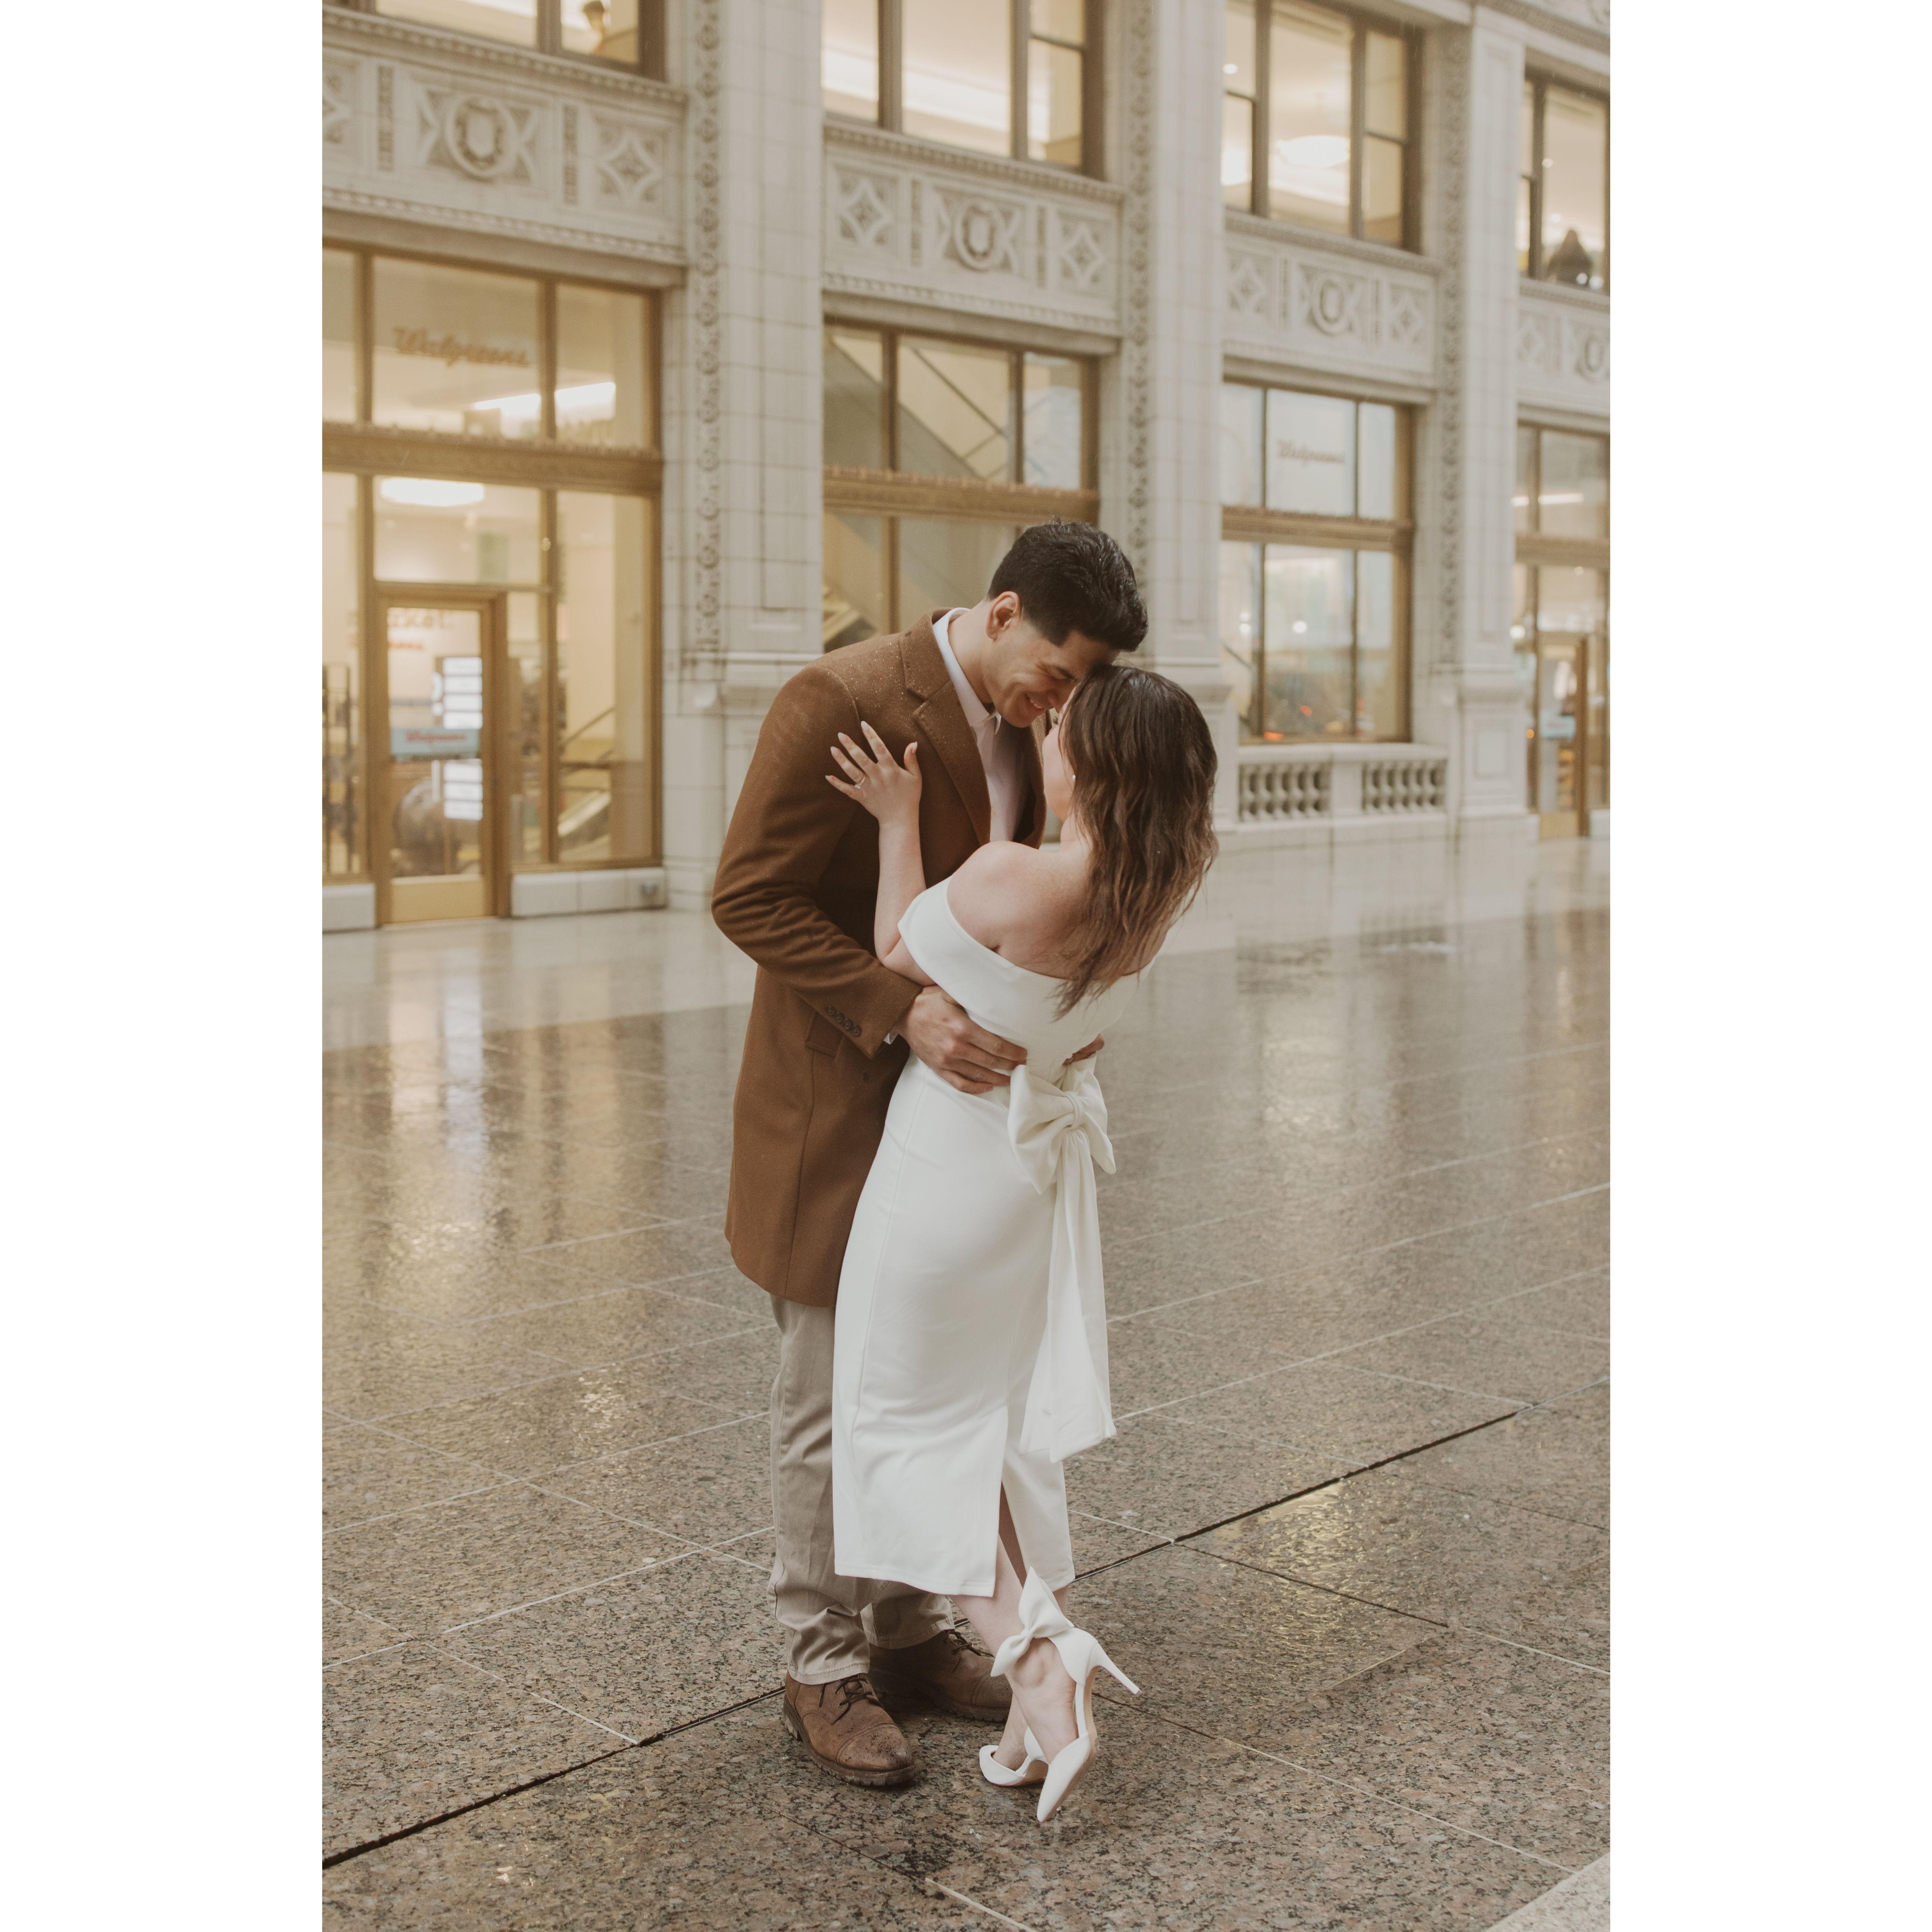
pixel 942 724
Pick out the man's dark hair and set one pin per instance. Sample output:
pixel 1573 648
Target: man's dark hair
pixel 1072 577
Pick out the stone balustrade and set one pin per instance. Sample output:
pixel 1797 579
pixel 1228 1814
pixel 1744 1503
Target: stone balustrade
pixel 1288 784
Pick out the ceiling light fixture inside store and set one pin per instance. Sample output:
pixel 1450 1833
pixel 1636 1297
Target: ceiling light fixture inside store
pixel 1314 151
pixel 427 493
pixel 582 399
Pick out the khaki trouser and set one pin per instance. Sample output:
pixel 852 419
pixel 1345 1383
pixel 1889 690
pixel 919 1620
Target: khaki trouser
pixel 827 1618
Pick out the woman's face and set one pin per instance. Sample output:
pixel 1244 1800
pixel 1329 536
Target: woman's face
pixel 1056 774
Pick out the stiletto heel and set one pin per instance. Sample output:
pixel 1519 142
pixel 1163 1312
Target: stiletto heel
pixel 1081 1658
pixel 1032 1769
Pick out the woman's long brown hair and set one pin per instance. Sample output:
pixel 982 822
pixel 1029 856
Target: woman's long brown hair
pixel 1143 763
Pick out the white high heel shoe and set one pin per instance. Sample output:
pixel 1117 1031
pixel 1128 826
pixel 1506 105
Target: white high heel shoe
pixel 1032 1768
pixel 1080 1656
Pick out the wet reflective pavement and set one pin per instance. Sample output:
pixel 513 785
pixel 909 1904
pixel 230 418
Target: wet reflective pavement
pixel 1351 1538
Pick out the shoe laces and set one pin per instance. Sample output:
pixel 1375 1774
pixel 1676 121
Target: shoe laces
pixel 853 1691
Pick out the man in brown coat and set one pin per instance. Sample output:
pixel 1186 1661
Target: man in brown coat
pixel 830 1029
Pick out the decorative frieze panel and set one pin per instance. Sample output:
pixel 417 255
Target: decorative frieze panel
pixel 427 127
pixel 909 221
pixel 1563 351
pixel 1295 301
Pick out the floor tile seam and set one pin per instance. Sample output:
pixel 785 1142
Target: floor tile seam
pixel 1342 1783
pixel 656 1442
pixel 415 1829
pixel 1385 1247
pixel 537 1483
pixel 329 1663
pixel 1330 1195
pixel 613 1362
pixel 1263 1104
pixel 593 1295
pixel 1561 1281
pixel 435 1322
pixel 505 1388
pixel 1347 1475
pixel 1476 1632
pixel 538 1696
pixel 548 1777
pixel 1528 1509
pixel 1448 1315
pixel 532 1477
pixel 1413 1811
pixel 417 1509
pixel 1330 1355
pixel 1351 1463
pixel 1115 1522
pixel 1412 1120
pixel 1518 1402
pixel 1392 1087
pixel 1600 1044
pixel 613 1234
pixel 684 1555
pixel 409 1441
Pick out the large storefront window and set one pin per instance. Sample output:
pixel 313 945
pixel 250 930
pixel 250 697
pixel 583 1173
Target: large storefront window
pixel 1318 117
pixel 1563 198
pixel 937 452
pixel 1561 628
pixel 490 544
pixel 1004 76
pixel 1315 538
pixel 618 33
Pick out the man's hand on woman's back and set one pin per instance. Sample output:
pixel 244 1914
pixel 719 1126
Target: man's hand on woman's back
pixel 937 1028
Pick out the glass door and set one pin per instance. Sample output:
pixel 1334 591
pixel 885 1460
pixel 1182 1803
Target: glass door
pixel 1569 739
pixel 436 793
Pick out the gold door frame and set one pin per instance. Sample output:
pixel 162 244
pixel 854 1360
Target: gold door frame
pixel 492 609
pixel 1552 823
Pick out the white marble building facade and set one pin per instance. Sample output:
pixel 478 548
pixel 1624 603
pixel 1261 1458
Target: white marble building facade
pixel 753 217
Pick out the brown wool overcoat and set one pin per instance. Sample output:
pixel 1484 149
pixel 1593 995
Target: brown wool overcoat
pixel 797 885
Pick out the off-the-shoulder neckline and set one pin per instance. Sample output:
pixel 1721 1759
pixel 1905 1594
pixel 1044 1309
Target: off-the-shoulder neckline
pixel 944 889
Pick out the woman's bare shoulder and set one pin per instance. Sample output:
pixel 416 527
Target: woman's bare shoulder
pixel 1003 895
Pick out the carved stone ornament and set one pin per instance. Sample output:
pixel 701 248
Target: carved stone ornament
pixel 1248 284
pixel 1334 304
pixel 480 135
pixel 979 234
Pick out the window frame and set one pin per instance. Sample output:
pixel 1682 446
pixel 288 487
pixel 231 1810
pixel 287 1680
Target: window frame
pixel 1255 524
pixel 1362 23
pixel 1535 552
pixel 365 450
pixel 650 63
pixel 892 89
pixel 892 492
pixel 1538 84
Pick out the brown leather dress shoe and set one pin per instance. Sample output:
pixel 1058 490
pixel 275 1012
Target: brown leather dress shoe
pixel 947 1671
pixel 847 1728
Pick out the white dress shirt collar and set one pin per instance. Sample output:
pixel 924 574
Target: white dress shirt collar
pixel 978 718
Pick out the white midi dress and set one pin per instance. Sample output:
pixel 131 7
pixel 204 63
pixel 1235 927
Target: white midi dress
pixel 970 1344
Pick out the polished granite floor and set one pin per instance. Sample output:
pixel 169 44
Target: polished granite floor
pixel 1351 1538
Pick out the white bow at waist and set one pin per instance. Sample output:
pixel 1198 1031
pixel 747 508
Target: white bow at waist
pixel 1059 1130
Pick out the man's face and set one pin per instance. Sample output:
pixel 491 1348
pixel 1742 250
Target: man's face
pixel 1026 674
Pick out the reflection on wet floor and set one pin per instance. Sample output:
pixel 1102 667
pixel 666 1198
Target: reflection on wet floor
pixel 1351 1536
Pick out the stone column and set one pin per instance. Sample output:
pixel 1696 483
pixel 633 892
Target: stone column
pixel 1469 691
pixel 1159 495
pixel 742 427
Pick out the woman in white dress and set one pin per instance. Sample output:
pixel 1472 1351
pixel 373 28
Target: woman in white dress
pixel 970 1356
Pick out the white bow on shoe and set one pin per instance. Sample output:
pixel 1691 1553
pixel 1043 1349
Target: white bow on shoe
pixel 1080 1656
